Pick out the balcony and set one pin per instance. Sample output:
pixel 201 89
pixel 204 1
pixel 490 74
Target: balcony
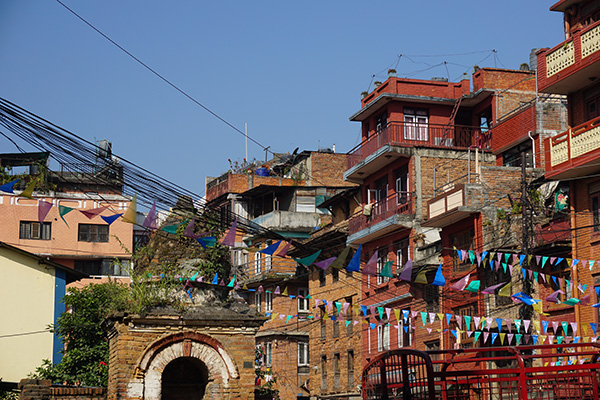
pixel 382 217
pixel 574 152
pixel 571 65
pixel 397 140
pixel 265 269
pixel 289 220
pixel 458 202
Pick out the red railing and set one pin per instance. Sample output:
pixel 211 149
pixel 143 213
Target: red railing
pixel 397 203
pixel 413 134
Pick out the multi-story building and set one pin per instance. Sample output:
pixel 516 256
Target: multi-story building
pixel 279 201
pixel 571 68
pixel 72 233
pixel 433 178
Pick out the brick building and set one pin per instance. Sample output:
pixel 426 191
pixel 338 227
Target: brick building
pixel 85 243
pixel 433 176
pixel 282 206
pixel 571 69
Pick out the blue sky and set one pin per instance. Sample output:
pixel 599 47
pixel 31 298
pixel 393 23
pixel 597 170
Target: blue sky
pixel 293 71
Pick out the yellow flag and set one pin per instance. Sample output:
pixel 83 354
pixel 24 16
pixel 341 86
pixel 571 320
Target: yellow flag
pixel 273 316
pixel 28 192
pixel 285 292
pixel 536 324
pixel 421 278
pixel 502 336
pixel 506 290
pixel 397 314
pixel 441 317
pixel 131 213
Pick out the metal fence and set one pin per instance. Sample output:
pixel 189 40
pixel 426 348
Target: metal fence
pixel 547 372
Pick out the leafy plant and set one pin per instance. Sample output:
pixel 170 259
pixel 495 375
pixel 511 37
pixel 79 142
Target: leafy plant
pixel 266 380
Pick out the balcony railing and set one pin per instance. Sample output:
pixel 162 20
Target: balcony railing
pixel 566 59
pixel 414 134
pixel 263 268
pixel 398 203
pixel 571 144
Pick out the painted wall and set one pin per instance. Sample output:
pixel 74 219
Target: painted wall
pixel 27 290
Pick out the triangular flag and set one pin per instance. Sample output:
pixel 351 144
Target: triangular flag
pixel 208 241
pixel 109 220
pixel 491 289
pixel 553 298
pixel 439 279
pixel 307 261
pixel 386 271
pixel 285 292
pixel 506 290
pixel 477 334
pixel 64 210
pixel 285 249
pixel 215 280
pixel 341 259
pixel 421 277
pixel 544 260
pixel 325 263
pixel 370 267
pixel 28 192
pixel 354 265
pixel 130 214
pixel 271 249
pixel 150 221
pixel 473 286
pixel 229 239
pixel 187 232
pixel 461 284
pixel 8 187
pixel 43 209
pixel 231 282
pixel 406 274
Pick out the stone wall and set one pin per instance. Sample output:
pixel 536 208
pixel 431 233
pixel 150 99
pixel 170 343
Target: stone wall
pixel 42 389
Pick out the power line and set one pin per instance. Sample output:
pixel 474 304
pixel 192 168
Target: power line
pixel 168 82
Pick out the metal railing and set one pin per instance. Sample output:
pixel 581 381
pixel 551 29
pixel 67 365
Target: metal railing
pixel 414 134
pixel 397 203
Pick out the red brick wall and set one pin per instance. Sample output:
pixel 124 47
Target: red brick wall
pixel 514 130
pixel 42 389
pixel 495 78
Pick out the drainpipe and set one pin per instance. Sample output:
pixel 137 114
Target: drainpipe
pixel 469 166
pixel 532 148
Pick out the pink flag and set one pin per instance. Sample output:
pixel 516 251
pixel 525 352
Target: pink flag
pixel 371 267
pixel 285 249
pixel 229 239
pixel 43 209
pixel 93 212
pixel 189 229
pixel 150 220
pixel 461 284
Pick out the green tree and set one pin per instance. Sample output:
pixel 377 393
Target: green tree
pixel 85 358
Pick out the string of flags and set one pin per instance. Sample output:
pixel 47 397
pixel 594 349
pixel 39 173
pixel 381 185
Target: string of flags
pixel 477 327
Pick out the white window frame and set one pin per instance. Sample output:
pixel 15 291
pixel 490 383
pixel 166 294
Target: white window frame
pixel 302 302
pixel 268 354
pixel 257 301
pixel 268 261
pixel 303 355
pixel 257 262
pixel 268 302
pixel 383 337
pixel 416 124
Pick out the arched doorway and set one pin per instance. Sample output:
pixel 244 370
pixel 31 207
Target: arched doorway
pixel 184 378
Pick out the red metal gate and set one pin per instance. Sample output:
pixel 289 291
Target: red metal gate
pixel 549 372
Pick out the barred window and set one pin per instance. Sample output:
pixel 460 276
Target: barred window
pixel 93 233
pixel 35 230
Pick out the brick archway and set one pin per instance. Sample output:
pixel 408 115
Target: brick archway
pixel 148 374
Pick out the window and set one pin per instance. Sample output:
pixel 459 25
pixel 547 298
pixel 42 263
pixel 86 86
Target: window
pixel 257 301
pixel 381 122
pixel 257 262
pixel 336 370
pixel 323 372
pixel 323 326
pixel 102 267
pixel 512 156
pixel 322 279
pixel 33 230
pixel 349 317
pixel 462 240
pixel 401 254
pixel 351 368
pixel 382 258
pixel 268 355
pixel 302 300
pixel 335 274
pixel 432 298
pixel 466 342
pixel 432 346
pixel 303 359
pixel 383 337
pixel 404 331
pixel 416 124
pixel 402 191
pixel 93 233
pixel 268 302
pixel 336 325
